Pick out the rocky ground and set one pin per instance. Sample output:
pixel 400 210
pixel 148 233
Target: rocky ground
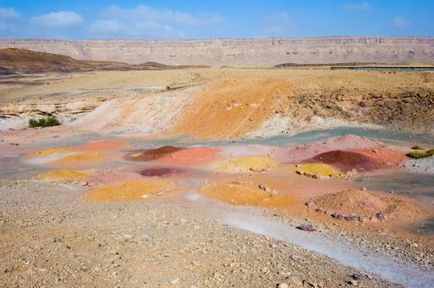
pixel 234 103
pixel 57 233
pixel 51 237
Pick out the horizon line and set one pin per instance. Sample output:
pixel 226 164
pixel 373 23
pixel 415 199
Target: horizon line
pixel 222 38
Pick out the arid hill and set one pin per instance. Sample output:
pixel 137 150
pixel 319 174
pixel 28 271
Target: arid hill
pixel 13 60
pixel 242 52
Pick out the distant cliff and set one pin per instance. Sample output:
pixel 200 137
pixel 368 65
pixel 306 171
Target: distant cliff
pixel 241 52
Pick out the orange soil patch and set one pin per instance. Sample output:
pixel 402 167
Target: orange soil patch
pixel 351 202
pixel 298 188
pixel 79 159
pixel 103 144
pixel 191 156
pixel 63 175
pixel 231 108
pixel 246 194
pixel 367 204
pixel 152 154
pixel 129 190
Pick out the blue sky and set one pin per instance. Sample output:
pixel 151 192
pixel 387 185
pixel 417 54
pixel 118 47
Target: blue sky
pixel 164 19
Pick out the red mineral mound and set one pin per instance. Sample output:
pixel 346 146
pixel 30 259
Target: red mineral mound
pixel 346 161
pixel 152 154
pixel 160 172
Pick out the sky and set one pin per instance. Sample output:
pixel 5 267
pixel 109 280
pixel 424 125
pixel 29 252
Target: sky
pixel 191 19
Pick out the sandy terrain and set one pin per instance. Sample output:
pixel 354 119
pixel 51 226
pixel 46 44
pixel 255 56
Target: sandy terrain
pixel 173 179
pixel 295 100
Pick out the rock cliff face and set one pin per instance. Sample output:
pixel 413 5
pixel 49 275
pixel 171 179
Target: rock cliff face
pixel 241 52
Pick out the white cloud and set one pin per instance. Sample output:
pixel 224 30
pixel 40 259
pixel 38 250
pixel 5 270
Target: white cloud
pixel 359 7
pixel 400 23
pixel 8 13
pixel 61 19
pixel 148 22
pixel 150 14
pixel 279 24
pixel 108 26
pixel 139 29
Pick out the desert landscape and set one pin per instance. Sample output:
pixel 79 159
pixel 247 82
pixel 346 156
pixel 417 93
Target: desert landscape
pixel 269 162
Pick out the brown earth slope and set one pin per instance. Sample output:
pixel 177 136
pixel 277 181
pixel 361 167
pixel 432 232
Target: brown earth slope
pixel 26 61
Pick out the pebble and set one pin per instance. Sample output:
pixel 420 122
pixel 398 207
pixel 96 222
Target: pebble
pixel 306 227
pixel 357 276
pixel 282 285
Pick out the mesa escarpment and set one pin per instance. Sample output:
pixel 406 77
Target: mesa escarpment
pixel 241 52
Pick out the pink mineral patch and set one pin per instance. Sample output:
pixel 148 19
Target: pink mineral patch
pixel 103 144
pixel 191 156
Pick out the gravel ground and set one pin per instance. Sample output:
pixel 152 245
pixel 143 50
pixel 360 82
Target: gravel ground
pixel 52 238
pixel 424 165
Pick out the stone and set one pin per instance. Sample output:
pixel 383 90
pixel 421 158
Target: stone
pixel 264 188
pixel 306 227
pixel 380 216
pixel 352 218
pixel 282 285
pixel 337 215
pixel 357 276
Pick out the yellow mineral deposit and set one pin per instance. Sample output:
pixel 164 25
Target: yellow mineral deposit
pixel 64 175
pixel 50 151
pixel 315 170
pixel 79 159
pixel 246 164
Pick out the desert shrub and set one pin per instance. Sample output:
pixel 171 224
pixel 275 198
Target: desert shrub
pixel 420 154
pixel 44 122
pixel 33 123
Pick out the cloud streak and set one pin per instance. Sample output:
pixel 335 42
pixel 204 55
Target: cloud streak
pixel 149 14
pixel 148 22
pixel 358 7
pixel 280 24
pixel 400 23
pixel 60 19
pixel 8 13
